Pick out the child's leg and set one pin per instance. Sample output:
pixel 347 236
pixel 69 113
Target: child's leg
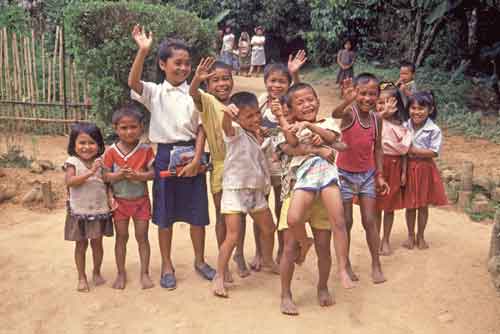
pixel 220 230
pixel 97 256
pixel 197 234
pixel 287 266
pixel 378 217
pixel 385 247
pixel 264 220
pixel 322 240
pixel 80 250
pixel 347 204
pixel 277 213
pixel 368 206
pixel 301 201
pixel 233 230
pixel 423 216
pixel 141 236
pixel 410 223
pixel 239 256
pixel 165 242
pixel 331 199
pixel 121 239
pixel 256 263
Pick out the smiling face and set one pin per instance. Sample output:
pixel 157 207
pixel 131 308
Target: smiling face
pixel 305 105
pixel 367 95
pixel 221 84
pixel 250 118
pixel 419 114
pixel 405 74
pixel 177 67
pixel 129 130
pixel 277 84
pixel 86 148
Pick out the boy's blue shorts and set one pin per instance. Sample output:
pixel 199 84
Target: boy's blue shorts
pixel 360 184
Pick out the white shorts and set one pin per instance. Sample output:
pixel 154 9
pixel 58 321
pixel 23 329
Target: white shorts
pixel 243 201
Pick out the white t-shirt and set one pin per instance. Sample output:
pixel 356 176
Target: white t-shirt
pixel 258 39
pixel 174 116
pixel 228 42
pixel 245 165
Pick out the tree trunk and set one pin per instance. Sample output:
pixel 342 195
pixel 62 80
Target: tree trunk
pixel 414 48
pixel 429 38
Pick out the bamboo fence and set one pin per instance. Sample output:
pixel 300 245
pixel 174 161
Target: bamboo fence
pixel 41 90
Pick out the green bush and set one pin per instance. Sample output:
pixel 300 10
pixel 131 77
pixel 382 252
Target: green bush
pixel 14 18
pixel 98 34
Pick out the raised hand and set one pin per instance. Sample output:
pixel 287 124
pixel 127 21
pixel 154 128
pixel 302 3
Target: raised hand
pixel 349 92
pixel 203 70
pixel 295 63
pixel 96 166
pixel 390 107
pixel 143 40
pixel 276 108
pixel 232 111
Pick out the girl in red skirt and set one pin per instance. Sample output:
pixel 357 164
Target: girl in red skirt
pixel 396 140
pixel 424 186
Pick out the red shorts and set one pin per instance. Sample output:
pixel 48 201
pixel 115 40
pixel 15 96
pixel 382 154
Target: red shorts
pixel 138 209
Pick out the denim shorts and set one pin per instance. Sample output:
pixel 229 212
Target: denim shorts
pixel 360 184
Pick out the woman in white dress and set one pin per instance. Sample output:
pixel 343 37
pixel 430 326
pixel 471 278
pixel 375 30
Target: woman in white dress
pixel 258 60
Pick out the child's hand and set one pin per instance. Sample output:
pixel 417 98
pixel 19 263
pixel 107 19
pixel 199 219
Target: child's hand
pixel 96 166
pixel 142 39
pixel 190 170
pixel 316 140
pixel 265 132
pixel 232 111
pixel 390 107
pixel 276 108
pixel 295 63
pixel 203 70
pixel 381 186
pixel 350 93
pixel 297 127
pixel 327 153
pixel 403 180
pixel 113 205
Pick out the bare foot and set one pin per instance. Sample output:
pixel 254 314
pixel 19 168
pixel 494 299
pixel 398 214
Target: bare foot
pixel 121 280
pixel 409 243
pixel 272 268
pixel 242 265
pixel 303 249
pixel 218 287
pixel 377 275
pixel 345 280
pixel 98 279
pixel 351 273
pixel 325 298
pixel 385 249
pixel 288 307
pixel 256 263
pixel 228 276
pixel 83 285
pixel 146 281
pixel 422 244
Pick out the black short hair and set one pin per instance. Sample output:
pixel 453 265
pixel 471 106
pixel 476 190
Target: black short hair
pixel 277 68
pixel 166 50
pixel 364 78
pixel 220 64
pixel 409 64
pixel 425 99
pixel 245 99
pixel 295 88
pixel 127 111
pixel 90 129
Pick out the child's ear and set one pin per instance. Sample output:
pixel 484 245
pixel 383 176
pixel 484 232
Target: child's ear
pixel 162 64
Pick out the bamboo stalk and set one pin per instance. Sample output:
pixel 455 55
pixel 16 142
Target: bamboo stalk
pixel 61 67
pixel 49 81
pixel 43 67
pixel 2 76
pixel 45 120
pixel 7 65
pixel 77 90
pixel 86 99
pixel 33 57
pixel 54 63
pixel 15 60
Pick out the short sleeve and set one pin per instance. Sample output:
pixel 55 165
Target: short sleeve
pixel 435 140
pixel 150 157
pixel 107 159
pixel 148 89
pixel 70 162
pixel 238 131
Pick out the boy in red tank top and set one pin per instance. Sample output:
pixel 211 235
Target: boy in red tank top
pixel 360 166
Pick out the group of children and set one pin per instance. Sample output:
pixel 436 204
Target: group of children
pixel 379 154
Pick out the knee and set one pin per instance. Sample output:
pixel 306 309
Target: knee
pixel 82 245
pixel 291 247
pixel 231 239
pixel 141 237
pixel 122 236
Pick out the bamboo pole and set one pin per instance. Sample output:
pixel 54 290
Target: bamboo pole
pixel 86 99
pixel 43 67
pixel 33 57
pixel 77 90
pixel 2 76
pixel 54 63
pixel 46 120
pixel 7 65
pixel 15 60
pixel 49 81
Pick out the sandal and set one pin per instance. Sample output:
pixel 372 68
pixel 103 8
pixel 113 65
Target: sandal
pixel 205 271
pixel 168 281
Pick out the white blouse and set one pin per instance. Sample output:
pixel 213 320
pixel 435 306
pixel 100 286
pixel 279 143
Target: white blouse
pixel 174 116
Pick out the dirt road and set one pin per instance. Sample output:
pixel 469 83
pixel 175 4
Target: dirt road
pixel 445 289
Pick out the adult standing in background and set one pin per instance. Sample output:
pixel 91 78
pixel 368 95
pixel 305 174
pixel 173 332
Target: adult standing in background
pixel 227 46
pixel 258 60
pixel 244 53
pixel 345 60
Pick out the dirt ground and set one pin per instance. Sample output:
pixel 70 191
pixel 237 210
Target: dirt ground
pixel 445 289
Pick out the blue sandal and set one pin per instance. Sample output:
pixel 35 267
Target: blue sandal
pixel 205 271
pixel 168 281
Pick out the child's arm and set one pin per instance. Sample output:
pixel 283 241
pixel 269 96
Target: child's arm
pixel 338 60
pixel 284 125
pixel 342 110
pixel 421 152
pixel 201 74
pixel 380 183
pixel 295 63
pixel 404 168
pixel 329 137
pixel 73 180
pixel 326 153
pixel 230 114
pixel 144 42
pixel 192 168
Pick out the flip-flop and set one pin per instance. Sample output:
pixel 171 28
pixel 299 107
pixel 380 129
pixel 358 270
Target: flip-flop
pixel 205 271
pixel 168 281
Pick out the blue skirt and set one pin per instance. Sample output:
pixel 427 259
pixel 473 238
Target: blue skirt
pixel 178 198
